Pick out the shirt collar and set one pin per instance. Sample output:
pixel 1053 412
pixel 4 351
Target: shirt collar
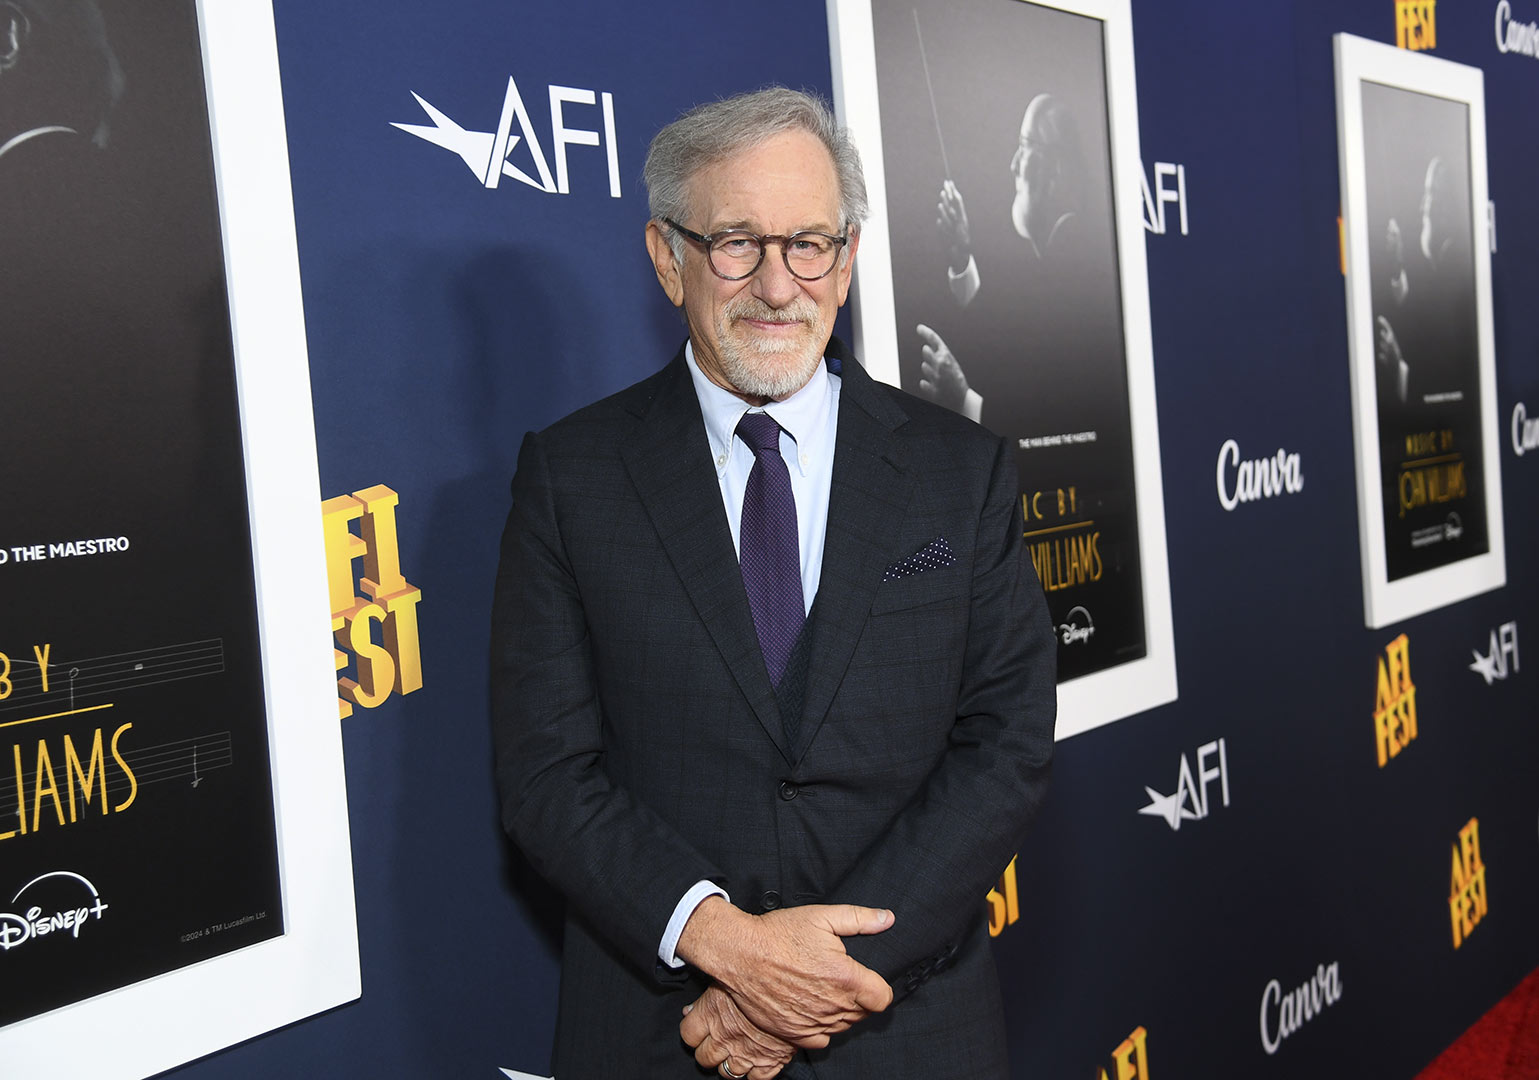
pixel 804 415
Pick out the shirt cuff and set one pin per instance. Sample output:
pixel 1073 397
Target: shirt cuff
pixel 697 894
pixel 964 286
pixel 972 406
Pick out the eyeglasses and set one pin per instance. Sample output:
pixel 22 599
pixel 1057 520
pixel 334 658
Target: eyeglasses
pixel 737 253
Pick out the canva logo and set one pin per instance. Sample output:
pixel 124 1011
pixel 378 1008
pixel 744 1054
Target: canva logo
pixel 1513 36
pixel 490 155
pixel 1525 432
pixel 35 921
pixel 1283 1014
pixel 1264 478
pixel 1190 801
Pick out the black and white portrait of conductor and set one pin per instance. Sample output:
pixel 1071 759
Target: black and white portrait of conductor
pixel 59 77
pixel 1048 171
pixel 772 675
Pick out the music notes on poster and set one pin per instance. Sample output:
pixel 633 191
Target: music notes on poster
pixel 188 761
pixel 73 683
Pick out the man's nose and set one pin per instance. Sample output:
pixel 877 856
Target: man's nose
pixel 773 282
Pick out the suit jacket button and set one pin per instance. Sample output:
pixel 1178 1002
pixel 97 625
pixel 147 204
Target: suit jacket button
pixel 770 900
pixel 788 790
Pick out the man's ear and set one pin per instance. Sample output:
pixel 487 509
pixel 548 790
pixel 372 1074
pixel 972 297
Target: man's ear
pixel 15 28
pixel 667 267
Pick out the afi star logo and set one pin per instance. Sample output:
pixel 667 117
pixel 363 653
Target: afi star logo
pixel 1504 644
pixel 1190 801
pixel 489 154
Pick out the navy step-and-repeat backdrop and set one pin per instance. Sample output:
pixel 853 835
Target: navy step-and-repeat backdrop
pixel 1320 859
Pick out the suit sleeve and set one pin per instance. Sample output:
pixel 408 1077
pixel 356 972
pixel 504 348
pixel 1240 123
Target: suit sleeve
pixel 612 857
pixel 936 862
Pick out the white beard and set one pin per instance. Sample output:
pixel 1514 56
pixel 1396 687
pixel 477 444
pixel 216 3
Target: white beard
pixel 761 366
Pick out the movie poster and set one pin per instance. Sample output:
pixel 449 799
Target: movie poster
pixel 1419 301
pixel 1426 355
pixel 137 829
pixel 1009 293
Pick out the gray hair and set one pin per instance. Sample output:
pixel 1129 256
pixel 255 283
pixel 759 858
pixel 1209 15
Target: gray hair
pixel 711 133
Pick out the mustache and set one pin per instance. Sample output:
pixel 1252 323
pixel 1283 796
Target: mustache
pixel 801 310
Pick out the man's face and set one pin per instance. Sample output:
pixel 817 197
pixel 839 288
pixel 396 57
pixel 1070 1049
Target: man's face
pixel 761 337
pixel 1033 171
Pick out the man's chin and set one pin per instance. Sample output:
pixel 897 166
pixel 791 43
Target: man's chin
pixel 775 373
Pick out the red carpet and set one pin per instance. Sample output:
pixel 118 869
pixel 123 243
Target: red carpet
pixel 1503 1044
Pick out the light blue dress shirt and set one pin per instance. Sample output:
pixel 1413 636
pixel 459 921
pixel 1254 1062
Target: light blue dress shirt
pixel 809 423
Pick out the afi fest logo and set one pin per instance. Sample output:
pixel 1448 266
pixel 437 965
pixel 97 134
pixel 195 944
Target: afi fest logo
pixel 1190 801
pixel 1264 478
pixel 1004 901
pixel 394 661
pixel 1283 1014
pixel 33 922
pixel 490 154
pixel 1416 24
pixel 1394 704
pixel 1467 884
pixel 1503 647
pixel 1130 1061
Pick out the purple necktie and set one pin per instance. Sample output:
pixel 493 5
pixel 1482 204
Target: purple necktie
pixel 767 548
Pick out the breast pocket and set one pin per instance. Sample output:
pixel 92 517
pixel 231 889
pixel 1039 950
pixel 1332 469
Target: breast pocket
pixel 931 587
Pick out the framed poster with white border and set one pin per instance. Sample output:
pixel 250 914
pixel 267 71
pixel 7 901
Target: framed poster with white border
pixel 198 999
pixel 1002 274
pixel 1411 133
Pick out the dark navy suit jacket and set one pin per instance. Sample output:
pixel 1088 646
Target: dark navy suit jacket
pixel 640 746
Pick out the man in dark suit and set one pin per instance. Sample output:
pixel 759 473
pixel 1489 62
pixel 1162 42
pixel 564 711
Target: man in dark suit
pixel 773 681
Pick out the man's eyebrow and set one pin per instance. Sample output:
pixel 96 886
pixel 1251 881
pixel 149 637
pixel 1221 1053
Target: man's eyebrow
pixel 735 225
pixel 745 225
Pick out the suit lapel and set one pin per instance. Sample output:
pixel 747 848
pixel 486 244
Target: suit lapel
pixel 872 486
pixel 669 461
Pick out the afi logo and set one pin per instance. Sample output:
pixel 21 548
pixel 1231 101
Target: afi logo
pixel 1190 801
pixel 1416 24
pixel 1162 193
pixel 1130 1061
pixel 490 154
pixel 1504 644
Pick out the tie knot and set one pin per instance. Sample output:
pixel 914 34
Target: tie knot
pixel 759 431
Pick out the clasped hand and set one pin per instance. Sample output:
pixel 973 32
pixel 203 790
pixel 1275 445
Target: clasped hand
pixel 783 980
